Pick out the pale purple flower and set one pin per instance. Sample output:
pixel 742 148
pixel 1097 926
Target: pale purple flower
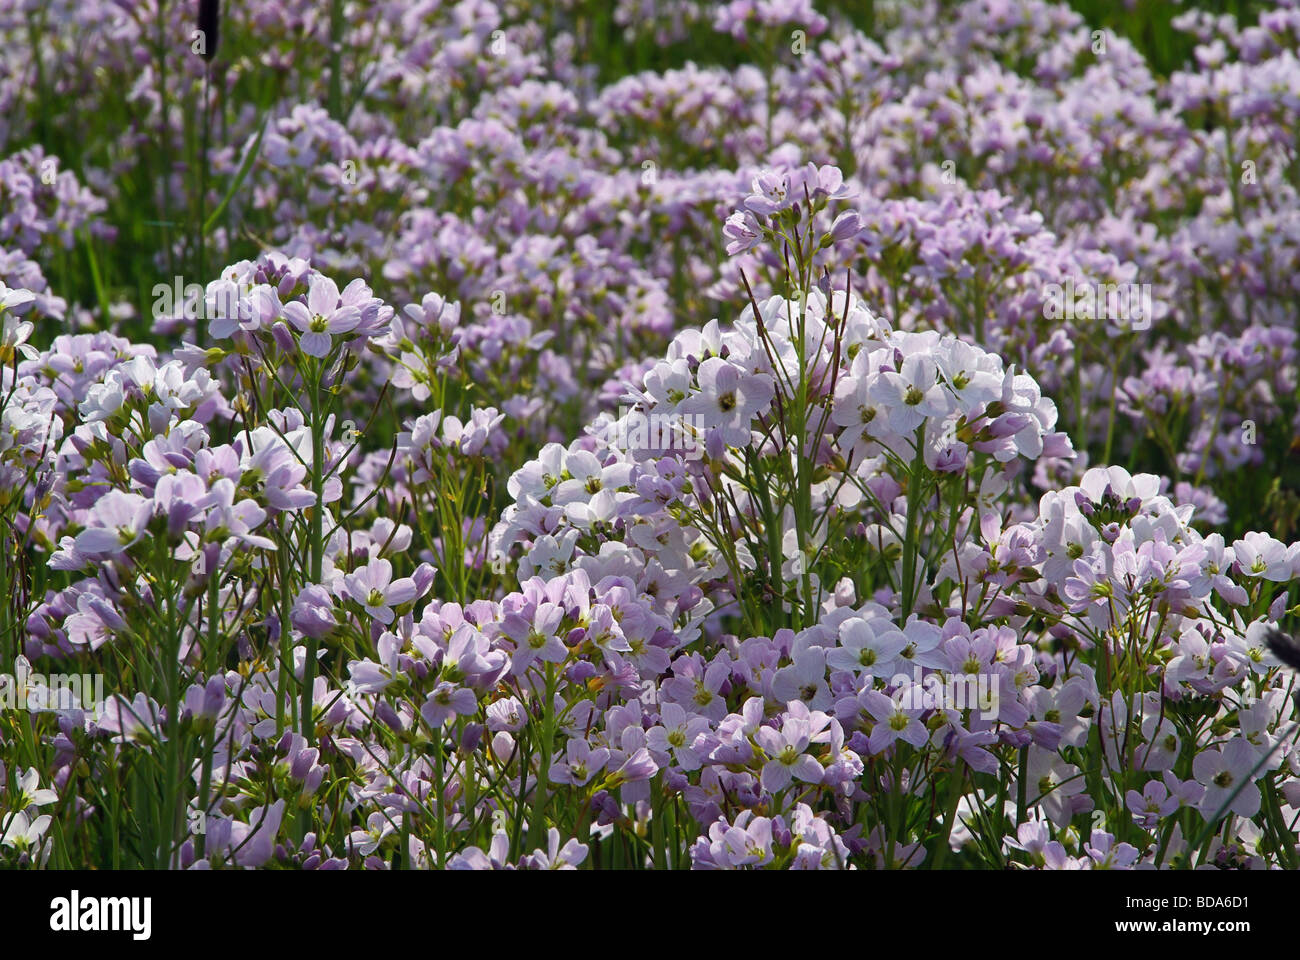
pixel 1150 806
pixel 870 647
pixel 313 612
pixel 895 719
pixel 804 679
pixel 742 232
pixel 788 760
pixel 675 734
pixel 374 588
pixel 321 317
pixel 535 636
pixel 1223 771
pixel 1259 555
pixel 446 702
pixel 580 763
pixel 1106 854
pixel 556 857
pixel 118 521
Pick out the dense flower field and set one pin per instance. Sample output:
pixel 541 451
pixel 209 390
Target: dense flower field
pixel 548 435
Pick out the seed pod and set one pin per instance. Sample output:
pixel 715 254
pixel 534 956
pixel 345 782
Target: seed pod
pixel 210 26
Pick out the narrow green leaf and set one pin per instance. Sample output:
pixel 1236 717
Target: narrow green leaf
pixel 240 175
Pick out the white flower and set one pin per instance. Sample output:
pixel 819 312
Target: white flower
pixel 1224 771
pixel 29 792
pixel 14 333
pixel 868 646
pixel 1259 555
pixel 911 395
pixel 22 833
pixel 728 400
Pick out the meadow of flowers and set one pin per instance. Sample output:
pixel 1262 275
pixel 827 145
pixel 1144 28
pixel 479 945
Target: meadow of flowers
pixel 553 434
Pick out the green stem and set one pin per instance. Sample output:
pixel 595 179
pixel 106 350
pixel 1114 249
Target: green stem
pixel 657 822
pixel 305 716
pixel 537 826
pixel 910 546
pixel 956 780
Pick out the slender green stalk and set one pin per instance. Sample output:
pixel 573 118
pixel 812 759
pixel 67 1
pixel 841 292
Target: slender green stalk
pixel 911 547
pixel 316 544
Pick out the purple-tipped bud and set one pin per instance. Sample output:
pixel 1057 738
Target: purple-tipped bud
pixel 503 746
pixel 846 225
pixel 214 696
pixel 605 808
pixel 470 739
pixel 179 517
pixel 38 627
pixel 1008 425
pixel 580 672
pixel 313 612
pixel 689 599
pixel 675 781
pixel 385 712
pixel 102 609
pixel 423 578
pixel 302 763
pixel 44 483
pixel 283 338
